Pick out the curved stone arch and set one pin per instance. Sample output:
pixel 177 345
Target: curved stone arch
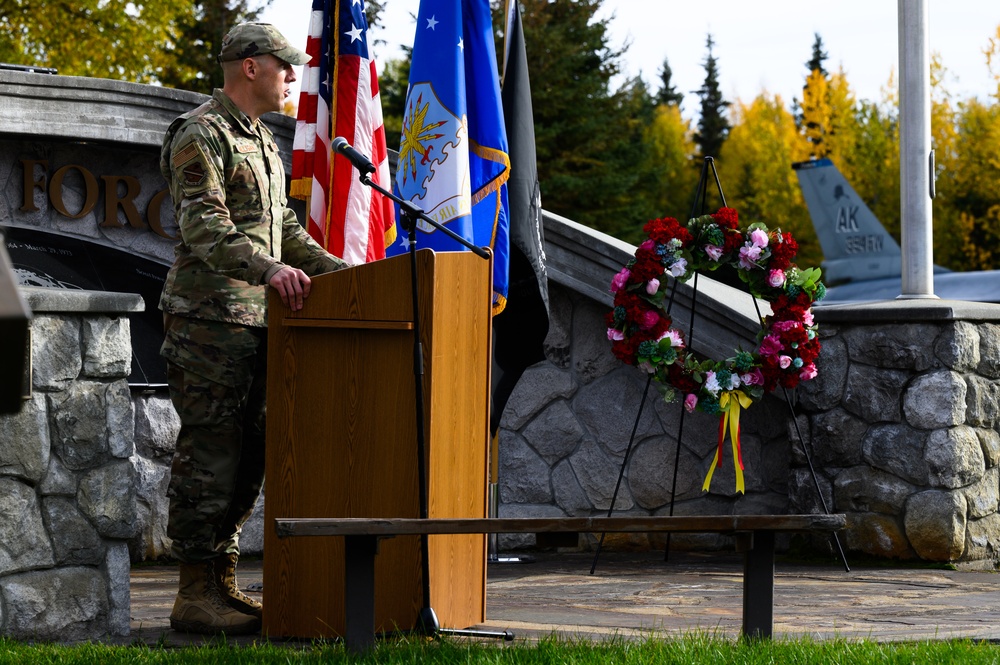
pixel 68 120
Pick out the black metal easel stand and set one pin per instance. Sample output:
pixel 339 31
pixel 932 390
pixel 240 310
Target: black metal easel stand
pixel 635 427
pixel 427 621
pixel 700 195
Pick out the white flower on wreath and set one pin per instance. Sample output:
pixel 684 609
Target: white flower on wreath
pixel 712 383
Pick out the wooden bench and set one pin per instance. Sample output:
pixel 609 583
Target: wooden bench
pixel 754 538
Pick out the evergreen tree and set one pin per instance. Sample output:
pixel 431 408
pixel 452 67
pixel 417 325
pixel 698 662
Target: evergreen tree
pixel 198 40
pixel 634 202
pixel 814 114
pixel 671 150
pixel 713 127
pixel 587 137
pixel 668 94
pixel 819 56
pixel 373 13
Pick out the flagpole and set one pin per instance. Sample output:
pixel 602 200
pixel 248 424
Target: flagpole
pixel 493 491
pixel 519 331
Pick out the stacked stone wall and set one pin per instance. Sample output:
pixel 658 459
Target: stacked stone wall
pixel 902 425
pixel 68 478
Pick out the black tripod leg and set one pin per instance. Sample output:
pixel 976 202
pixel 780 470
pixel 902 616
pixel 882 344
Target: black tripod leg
pixel 621 473
pixel 812 470
pixel 680 425
pixel 673 485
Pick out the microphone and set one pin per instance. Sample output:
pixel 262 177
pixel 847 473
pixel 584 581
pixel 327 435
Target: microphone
pixel 360 162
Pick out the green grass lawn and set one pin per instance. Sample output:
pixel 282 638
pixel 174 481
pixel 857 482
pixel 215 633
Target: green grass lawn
pixel 687 650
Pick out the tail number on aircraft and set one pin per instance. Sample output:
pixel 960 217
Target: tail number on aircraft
pixel 856 243
pixel 847 219
pixel 863 244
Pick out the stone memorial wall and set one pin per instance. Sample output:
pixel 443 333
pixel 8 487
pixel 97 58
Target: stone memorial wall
pixel 901 422
pixel 69 473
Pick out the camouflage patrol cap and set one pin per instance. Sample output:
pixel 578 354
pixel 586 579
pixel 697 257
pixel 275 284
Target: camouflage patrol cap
pixel 249 39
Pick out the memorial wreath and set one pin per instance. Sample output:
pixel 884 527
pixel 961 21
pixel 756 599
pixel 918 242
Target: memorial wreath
pixel 642 333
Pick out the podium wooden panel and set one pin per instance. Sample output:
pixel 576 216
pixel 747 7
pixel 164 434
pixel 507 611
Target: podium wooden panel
pixel 342 442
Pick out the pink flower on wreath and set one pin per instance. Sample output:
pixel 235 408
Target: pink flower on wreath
pixel 648 244
pixel 714 252
pixel 784 362
pixel 615 335
pixel 749 254
pixel 770 346
pixel 776 278
pixel 754 377
pixel 649 319
pixel 619 281
pixel 758 238
pixel 808 372
pixel 690 402
pixel 807 317
pixel 675 338
pixel 652 286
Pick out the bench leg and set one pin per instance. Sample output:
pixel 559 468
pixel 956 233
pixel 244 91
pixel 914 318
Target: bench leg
pixel 758 586
pixel 359 592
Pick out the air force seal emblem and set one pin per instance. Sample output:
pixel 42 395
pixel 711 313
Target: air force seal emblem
pixel 434 158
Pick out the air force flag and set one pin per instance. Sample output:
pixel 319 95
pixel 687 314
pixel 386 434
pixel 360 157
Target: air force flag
pixel 453 160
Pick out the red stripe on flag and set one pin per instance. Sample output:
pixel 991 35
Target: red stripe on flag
pixel 350 219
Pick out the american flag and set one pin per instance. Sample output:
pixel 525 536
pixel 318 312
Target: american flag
pixel 340 97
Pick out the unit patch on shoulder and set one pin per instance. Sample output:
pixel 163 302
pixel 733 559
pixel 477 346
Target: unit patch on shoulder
pixel 194 174
pixel 191 169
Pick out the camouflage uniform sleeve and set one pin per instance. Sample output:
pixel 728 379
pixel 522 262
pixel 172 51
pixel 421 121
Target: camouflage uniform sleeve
pixel 298 249
pixel 206 228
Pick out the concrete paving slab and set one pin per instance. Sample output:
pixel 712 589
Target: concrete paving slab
pixel 635 595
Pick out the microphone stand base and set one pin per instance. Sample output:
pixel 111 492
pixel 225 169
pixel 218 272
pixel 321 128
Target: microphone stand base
pixel 427 622
pixel 511 559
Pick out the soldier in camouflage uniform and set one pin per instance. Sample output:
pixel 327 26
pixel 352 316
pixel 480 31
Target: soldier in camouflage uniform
pixel 237 239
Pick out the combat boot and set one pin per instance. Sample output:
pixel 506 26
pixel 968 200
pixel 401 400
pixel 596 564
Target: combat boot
pixel 200 608
pixel 225 581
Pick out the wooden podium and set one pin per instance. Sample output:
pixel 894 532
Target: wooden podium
pixel 342 440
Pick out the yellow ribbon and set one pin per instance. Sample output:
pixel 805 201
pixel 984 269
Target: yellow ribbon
pixel 730 403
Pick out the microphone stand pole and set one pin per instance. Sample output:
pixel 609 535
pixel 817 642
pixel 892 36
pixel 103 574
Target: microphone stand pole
pixel 427 621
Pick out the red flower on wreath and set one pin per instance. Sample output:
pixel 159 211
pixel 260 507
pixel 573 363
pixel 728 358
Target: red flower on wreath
pixel 640 330
pixel 787 347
